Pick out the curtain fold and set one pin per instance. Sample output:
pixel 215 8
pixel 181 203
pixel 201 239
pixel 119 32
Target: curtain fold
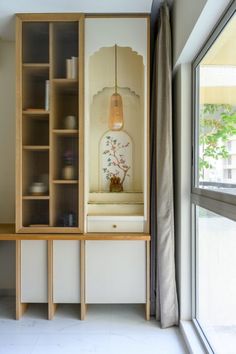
pixel 162 210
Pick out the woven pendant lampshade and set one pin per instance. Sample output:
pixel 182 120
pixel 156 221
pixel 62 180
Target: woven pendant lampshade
pixel 116 119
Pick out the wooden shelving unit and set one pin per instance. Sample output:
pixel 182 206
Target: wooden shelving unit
pixel 49 151
pixel 51 234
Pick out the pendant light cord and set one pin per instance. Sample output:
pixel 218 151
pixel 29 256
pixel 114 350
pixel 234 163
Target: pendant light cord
pixel 115 68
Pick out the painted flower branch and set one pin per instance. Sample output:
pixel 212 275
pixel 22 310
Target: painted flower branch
pixel 116 159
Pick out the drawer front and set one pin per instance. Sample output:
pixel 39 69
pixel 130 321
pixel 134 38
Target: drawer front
pixel 115 225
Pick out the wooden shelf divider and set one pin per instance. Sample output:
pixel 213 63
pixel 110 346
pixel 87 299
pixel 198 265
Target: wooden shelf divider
pixel 36 147
pixel 35 65
pixel 35 111
pixel 65 181
pixel 65 131
pixel 36 197
pixel 65 81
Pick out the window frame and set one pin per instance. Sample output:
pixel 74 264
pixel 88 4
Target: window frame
pixel 196 190
pixel 218 202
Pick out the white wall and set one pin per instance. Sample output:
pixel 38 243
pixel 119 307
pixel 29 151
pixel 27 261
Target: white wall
pixel 192 22
pixel 182 178
pixel 7 160
pixel 185 15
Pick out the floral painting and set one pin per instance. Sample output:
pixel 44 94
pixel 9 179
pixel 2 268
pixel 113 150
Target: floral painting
pixel 116 160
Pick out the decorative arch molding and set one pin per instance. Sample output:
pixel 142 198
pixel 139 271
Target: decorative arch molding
pixel 102 70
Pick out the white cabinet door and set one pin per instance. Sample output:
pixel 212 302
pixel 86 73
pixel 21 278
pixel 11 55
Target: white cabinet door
pixel 34 271
pixel 66 271
pixel 115 272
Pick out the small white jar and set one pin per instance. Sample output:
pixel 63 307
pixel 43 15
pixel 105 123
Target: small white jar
pixel 70 122
pixel 68 172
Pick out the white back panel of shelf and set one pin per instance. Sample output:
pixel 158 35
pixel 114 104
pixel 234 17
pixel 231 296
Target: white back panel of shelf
pixel 34 273
pixel 115 272
pixel 66 272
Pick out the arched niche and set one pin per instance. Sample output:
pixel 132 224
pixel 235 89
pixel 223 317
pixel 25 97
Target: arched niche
pixel 130 79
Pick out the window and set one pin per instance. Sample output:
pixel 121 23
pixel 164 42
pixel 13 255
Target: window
pixel 216 279
pixel 214 188
pixel 216 112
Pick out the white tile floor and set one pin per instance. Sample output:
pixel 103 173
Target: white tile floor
pixel 108 329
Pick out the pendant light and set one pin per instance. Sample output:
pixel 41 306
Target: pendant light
pixel 116 120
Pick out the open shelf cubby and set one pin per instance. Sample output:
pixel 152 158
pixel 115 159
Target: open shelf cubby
pixel 65 154
pixel 35 130
pixel 35 168
pixel 65 102
pixel 35 48
pixel 65 205
pixel 34 87
pixel 65 46
pixel 35 213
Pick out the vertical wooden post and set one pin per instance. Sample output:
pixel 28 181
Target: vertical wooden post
pixel 148 280
pixel 82 280
pixel 20 307
pixel 51 305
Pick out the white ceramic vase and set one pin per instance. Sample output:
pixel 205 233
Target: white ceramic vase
pixel 68 172
pixel 70 122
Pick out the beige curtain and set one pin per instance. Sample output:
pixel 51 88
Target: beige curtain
pixel 166 297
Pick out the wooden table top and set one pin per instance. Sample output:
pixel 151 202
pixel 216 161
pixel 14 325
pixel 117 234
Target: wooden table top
pixel 7 233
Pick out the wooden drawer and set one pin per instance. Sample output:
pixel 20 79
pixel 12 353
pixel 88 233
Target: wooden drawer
pixel 115 224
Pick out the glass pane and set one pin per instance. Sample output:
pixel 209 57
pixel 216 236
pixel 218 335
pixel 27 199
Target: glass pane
pixel 217 114
pixel 216 280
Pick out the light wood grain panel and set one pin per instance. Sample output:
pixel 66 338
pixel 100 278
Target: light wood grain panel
pixel 51 126
pixel 18 208
pixel 18 280
pixel 7 232
pixel 81 125
pixel 82 281
pixel 50 17
pixel 20 307
pixel 147 228
pixel 51 305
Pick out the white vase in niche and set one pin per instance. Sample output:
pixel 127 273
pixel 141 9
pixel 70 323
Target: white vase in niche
pixel 70 122
pixel 68 172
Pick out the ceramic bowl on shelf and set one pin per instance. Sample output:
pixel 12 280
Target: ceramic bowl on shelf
pixel 38 188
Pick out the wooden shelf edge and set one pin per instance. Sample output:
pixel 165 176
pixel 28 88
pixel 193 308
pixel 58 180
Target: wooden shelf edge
pixel 35 65
pixel 36 197
pixel 35 111
pixel 65 131
pixel 36 147
pixel 65 181
pixel 7 233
